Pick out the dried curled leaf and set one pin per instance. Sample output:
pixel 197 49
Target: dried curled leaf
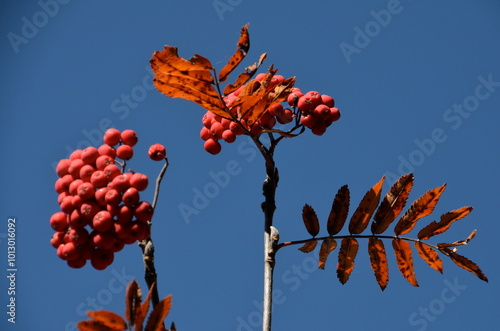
pixel 402 249
pixel 422 207
pixel 347 255
pixel 108 319
pixel 155 321
pixel 132 301
pixel 245 76
pixel 339 211
pixel 367 206
pixel 327 246
pixel 242 48
pixel 310 220
pixel 444 224
pixel 308 246
pixel 393 203
pixel 465 263
pixel 378 261
pixel 430 256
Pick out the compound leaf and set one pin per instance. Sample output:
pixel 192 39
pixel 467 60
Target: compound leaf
pixel 444 224
pixel 392 204
pixel 378 261
pixel 347 254
pixel 430 256
pixel 423 206
pixel 310 220
pixel 327 246
pixel 402 249
pixel 339 211
pixel 367 206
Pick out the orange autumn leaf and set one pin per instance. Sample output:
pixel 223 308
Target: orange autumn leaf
pixel 465 263
pixel 244 76
pixel 339 211
pixel 404 258
pixel 430 256
pixel 392 204
pixel 327 246
pixel 242 48
pixel 187 79
pixel 109 319
pixel 93 326
pixel 347 254
pixel 445 222
pixel 423 206
pixel 310 220
pixel 133 301
pixel 142 310
pixel 367 206
pixel 156 318
pixel 308 246
pixel 378 261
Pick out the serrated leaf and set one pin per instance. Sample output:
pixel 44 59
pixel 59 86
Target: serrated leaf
pixel 308 246
pixel 133 301
pixel 339 211
pixel 422 207
pixel 155 320
pixel 367 206
pixel 93 326
pixel 243 46
pixel 142 310
pixel 392 204
pixel 245 76
pixel 465 263
pixel 444 224
pixel 404 258
pixel 430 256
pixel 378 261
pixel 347 255
pixel 109 319
pixel 187 79
pixel 310 220
pixel 327 246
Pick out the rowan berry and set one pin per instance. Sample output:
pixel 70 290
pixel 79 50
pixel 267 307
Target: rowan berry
pixel 101 258
pixel 59 222
pixel 112 137
pixel 144 212
pixel 86 191
pixel 212 146
pixel 89 155
pixel 131 197
pixel 102 221
pixel 105 149
pixel 124 152
pixel 62 167
pixel 86 171
pixel 129 137
pixel 157 152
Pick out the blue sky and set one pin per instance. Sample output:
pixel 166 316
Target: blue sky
pixel 418 84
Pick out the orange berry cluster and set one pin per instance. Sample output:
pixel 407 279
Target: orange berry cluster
pixel 101 208
pixel 312 109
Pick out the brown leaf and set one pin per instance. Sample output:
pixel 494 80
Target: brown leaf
pixel 392 204
pixel 367 206
pixel 430 256
pixel 347 254
pixel 308 246
pixel 339 211
pixel 242 48
pixel 245 76
pixel 187 79
pixel 444 224
pixel 281 133
pixel 93 326
pixel 109 319
pixel 465 263
pixel 378 261
pixel 142 310
pixel 459 242
pixel 402 249
pixel 423 206
pixel 327 246
pixel 310 220
pixel 155 321
pixel 133 301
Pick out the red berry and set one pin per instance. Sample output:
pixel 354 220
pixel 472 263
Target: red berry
pixel 294 97
pixel 129 137
pixel 157 152
pixel 58 221
pixel 70 251
pixel 67 204
pixel 319 128
pixel 327 100
pixel 86 171
pixel 77 201
pixel 76 154
pixel 86 250
pixel 212 146
pixel 308 119
pixel 100 196
pixel 89 155
pixel 207 119
pixel 125 152
pixel 101 258
pixel 103 161
pixel 322 112
pixel 139 181
pixel 89 208
pixel 62 167
pixel 103 239
pixel 77 263
pixel 102 221
pixel 139 231
pixel 287 116
pixel 74 168
pixel 63 184
pixel 228 136
pixel 112 137
pixel 334 114
pixel 107 150
pixel 57 239
pixel 86 191
pixel 205 133
pixel 236 128
pixel 117 246
pixel 73 187
pixel 216 130
pixel 144 212
pixel 121 182
pixel 76 219
pixel 256 130
pixel 113 197
pixel 276 109
pixel 124 214
pixel 111 171
pixel 79 236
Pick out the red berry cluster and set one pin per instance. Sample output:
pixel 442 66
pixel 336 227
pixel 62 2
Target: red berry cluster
pixel 101 209
pixel 316 111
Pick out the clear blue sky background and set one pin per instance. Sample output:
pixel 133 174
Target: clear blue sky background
pixel 66 80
